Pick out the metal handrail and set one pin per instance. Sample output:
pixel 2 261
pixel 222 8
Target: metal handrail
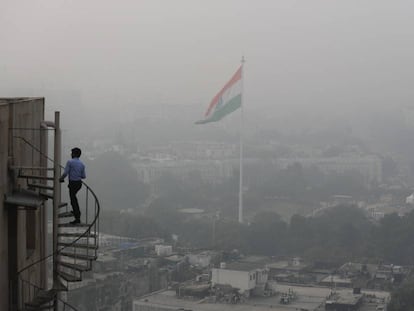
pixel 67 306
pixel 94 225
pixel 95 221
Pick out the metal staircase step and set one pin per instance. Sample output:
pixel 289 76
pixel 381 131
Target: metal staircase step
pixel 49 307
pixel 35 177
pixel 32 168
pixel 79 256
pixel 40 186
pixel 63 204
pixel 24 198
pixel 65 214
pixel 59 286
pixel 76 235
pixel 46 195
pixel 69 277
pixel 78 245
pixel 73 266
pixel 41 298
pixel 69 225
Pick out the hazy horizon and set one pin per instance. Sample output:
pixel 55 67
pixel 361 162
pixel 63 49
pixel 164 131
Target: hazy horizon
pixel 300 55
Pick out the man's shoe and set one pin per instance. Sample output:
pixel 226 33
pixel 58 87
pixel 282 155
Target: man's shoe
pixel 75 222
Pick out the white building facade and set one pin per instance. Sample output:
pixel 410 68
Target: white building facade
pixel 245 279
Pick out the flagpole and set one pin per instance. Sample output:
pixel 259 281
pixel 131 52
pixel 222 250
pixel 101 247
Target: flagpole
pixel 241 145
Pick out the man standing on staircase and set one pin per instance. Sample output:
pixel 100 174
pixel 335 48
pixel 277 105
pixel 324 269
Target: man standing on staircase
pixel 75 170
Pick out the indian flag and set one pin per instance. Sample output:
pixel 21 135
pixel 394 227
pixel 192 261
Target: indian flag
pixel 226 101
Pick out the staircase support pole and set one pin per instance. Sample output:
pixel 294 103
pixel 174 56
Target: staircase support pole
pixel 56 200
pixel 44 163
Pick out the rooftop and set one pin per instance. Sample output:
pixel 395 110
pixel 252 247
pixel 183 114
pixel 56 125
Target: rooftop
pixel 345 299
pixel 309 298
pixel 336 279
pixel 168 300
pixel 243 266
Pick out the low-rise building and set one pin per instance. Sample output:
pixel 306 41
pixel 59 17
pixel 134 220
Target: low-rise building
pixel 334 281
pixel 344 302
pixel 163 250
pixel 201 259
pixel 241 275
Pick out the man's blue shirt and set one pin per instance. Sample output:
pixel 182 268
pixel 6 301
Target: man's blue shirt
pixel 74 169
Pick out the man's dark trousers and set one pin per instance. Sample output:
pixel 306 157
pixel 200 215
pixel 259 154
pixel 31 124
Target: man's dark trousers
pixel 74 186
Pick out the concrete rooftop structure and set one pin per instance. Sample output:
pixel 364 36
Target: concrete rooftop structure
pixel 308 298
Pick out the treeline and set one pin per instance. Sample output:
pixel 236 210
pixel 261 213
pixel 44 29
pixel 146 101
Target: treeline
pixel 402 298
pixel 340 234
pixel 115 180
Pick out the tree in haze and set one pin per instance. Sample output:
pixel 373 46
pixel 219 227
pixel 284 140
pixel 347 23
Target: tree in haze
pixel 230 235
pixel 389 167
pixel 267 234
pixel 342 229
pixel 402 299
pixel 393 239
pixel 300 234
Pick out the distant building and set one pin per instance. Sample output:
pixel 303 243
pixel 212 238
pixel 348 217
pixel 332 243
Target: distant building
pixel 340 199
pixel 202 259
pixel 288 270
pixel 410 199
pixel 212 171
pixel 344 302
pixel 375 214
pixel 163 250
pixel 241 275
pixel 334 281
pixel 370 167
pixel 204 150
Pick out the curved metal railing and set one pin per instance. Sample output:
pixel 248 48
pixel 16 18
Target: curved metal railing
pixel 28 290
pixel 66 306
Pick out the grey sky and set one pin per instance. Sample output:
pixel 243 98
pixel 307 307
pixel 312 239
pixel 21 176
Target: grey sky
pixel 299 53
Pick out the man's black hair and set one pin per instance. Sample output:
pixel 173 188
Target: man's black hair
pixel 76 152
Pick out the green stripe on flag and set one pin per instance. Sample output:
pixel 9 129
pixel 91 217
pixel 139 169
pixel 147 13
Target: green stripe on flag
pixel 229 107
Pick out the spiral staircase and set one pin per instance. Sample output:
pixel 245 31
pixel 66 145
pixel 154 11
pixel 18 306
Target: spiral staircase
pixel 74 246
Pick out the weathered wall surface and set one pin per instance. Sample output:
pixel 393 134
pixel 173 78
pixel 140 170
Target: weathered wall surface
pixel 237 279
pixel 19 113
pixel 25 119
pixel 4 277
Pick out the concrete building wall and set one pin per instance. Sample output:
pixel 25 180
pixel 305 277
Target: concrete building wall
pixel 202 260
pixel 4 276
pixel 237 279
pixel 262 276
pixel 163 250
pixel 22 233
